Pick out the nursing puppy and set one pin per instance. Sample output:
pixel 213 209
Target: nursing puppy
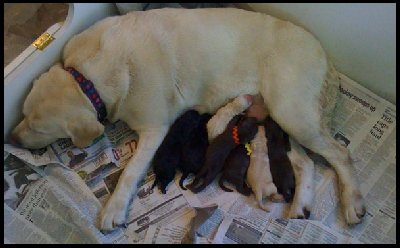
pixel 235 169
pixel 193 149
pixel 220 147
pixel 168 155
pixel 280 165
pixel 149 67
pixel 259 175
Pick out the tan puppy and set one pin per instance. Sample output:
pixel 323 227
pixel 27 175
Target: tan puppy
pixel 259 174
pixel 149 67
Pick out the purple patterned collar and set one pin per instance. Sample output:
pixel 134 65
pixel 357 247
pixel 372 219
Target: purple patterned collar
pixel 89 90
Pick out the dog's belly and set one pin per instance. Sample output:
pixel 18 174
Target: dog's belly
pixel 218 93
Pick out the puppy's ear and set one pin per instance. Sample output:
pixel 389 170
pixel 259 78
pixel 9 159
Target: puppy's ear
pixel 84 131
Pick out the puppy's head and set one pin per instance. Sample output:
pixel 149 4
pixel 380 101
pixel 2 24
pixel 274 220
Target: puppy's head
pixel 247 129
pixel 56 108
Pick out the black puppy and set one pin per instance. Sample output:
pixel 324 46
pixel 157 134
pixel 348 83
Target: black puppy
pixel 194 149
pixel 235 170
pixel 281 168
pixel 168 156
pixel 219 149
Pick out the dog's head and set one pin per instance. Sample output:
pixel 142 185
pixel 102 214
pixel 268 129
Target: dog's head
pixel 247 129
pixel 56 108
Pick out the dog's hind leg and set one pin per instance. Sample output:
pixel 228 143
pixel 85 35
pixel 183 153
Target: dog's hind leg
pixel 339 157
pixel 115 211
pixel 306 129
pixel 218 123
pixel 303 123
pixel 303 168
pixel 294 87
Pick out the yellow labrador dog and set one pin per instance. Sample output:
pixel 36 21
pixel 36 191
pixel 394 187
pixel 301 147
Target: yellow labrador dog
pixel 149 67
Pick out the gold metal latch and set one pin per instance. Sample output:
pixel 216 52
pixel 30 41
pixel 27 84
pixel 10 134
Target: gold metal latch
pixel 43 41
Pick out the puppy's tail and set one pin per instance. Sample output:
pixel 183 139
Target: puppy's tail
pixel 155 183
pixel 184 175
pixel 199 188
pixel 200 175
pixel 260 200
pixel 194 187
pixel 221 184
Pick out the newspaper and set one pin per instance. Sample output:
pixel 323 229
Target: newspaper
pixel 54 195
pixel 366 124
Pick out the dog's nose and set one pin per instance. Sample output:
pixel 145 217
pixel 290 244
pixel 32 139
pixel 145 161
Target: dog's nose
pixel 14 140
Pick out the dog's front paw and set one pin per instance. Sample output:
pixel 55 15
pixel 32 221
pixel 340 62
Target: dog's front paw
pixel 114 213
pixel 353 204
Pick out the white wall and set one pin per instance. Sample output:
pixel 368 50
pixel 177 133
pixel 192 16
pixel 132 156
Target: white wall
pixel 360 38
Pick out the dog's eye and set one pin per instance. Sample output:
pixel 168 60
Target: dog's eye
pixel 39 131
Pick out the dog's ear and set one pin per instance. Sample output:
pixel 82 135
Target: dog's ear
pixel 84 131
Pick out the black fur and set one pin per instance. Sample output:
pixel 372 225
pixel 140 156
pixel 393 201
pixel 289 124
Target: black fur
pixel 219 149
pixel 235 170
pixel 168 156
pixel 281 168
pixel 194 149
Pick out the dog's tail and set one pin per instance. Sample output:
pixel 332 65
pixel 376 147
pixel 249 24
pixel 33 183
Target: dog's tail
pixel 329 95
pixel 221 184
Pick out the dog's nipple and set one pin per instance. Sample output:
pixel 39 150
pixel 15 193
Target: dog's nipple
pixel 249 98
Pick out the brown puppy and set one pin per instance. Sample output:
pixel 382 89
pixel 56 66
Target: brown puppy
pixel 219 149
pixel 235 170
pixel 281 168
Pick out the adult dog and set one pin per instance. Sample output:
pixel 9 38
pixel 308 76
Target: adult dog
pixel 149 67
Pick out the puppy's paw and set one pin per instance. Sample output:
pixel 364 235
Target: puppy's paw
pixel 264 206
pixel 262 203
pixel 113 215
pixel 353 205
pixel 277 198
